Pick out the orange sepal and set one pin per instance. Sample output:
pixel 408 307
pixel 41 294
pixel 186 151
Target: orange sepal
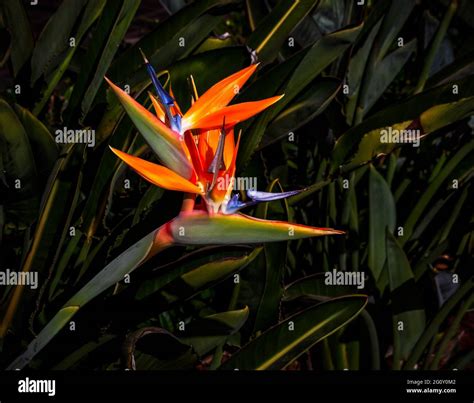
pixel 157 174
pixel 218 96
pixel 233 114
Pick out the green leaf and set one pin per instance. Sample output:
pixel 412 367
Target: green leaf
pixel 41 140
pixel 315 285
pixel 408 318
pixel 400 116
pixel 268 311
pixel 187 280
pixel 154 348
pixel 57 323
pixel 311 103
pixel 433 187
pixel 317 58
pixel 59 200
pixel 384 73
pixel 17 23
pixel 167 32
pixel 393 22
pixel 17 164
pixel 382 217
pixel 74 358
pixel 270 35
pixel 206 333
pixel 53 40
pixel 279 346
pixel 444 114
pixel 355 72
pixel 114 272
pixel 433 327
pixel 110 30
pixel 90 15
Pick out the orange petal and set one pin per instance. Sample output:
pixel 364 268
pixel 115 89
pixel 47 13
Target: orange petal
pixel 207 145
pixel 175 109
pixel 157 174
pixel 218 95
pixel 233 114
pixel 194 153
pixel 160 112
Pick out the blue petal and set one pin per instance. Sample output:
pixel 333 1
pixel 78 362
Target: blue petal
pixel 266 196
pixel 165 98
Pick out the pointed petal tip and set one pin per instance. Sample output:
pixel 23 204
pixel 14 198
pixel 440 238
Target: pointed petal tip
pixel 143 55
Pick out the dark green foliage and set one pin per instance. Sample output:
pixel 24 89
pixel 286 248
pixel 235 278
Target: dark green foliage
pixel 348 72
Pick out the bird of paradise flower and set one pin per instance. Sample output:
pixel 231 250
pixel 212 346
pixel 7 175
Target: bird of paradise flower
pixel 196 149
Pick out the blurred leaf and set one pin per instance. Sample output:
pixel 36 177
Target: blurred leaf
pixel 159 350
pixel 114 272
pixel 384 73
pixel 192 36
pixel 71 360
pixel 382 217
pixel 408 319
pixel 274 29
pixel 329 16
pixel 18 175
pixel 166 34
pixel 315 285
pixel 54 220
pixel 57 323
pixel 53 40
pixel 206 333
pixel 355 72
pixel 460 68
pixel 433 327
pixel 442 115
pixel 393 22
pixel 433 187
pixel 318 57
pixel 279 346
pixel 110 30
pixel 41 140
pixel 376 73
pixel 18 25
pixel 406 111
pixel 255 11
pixel 454 215
pixel 187 280
pixel 214 43
pixel 90 15
pixel 173 6
pixel 311 103
pixel 268 311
